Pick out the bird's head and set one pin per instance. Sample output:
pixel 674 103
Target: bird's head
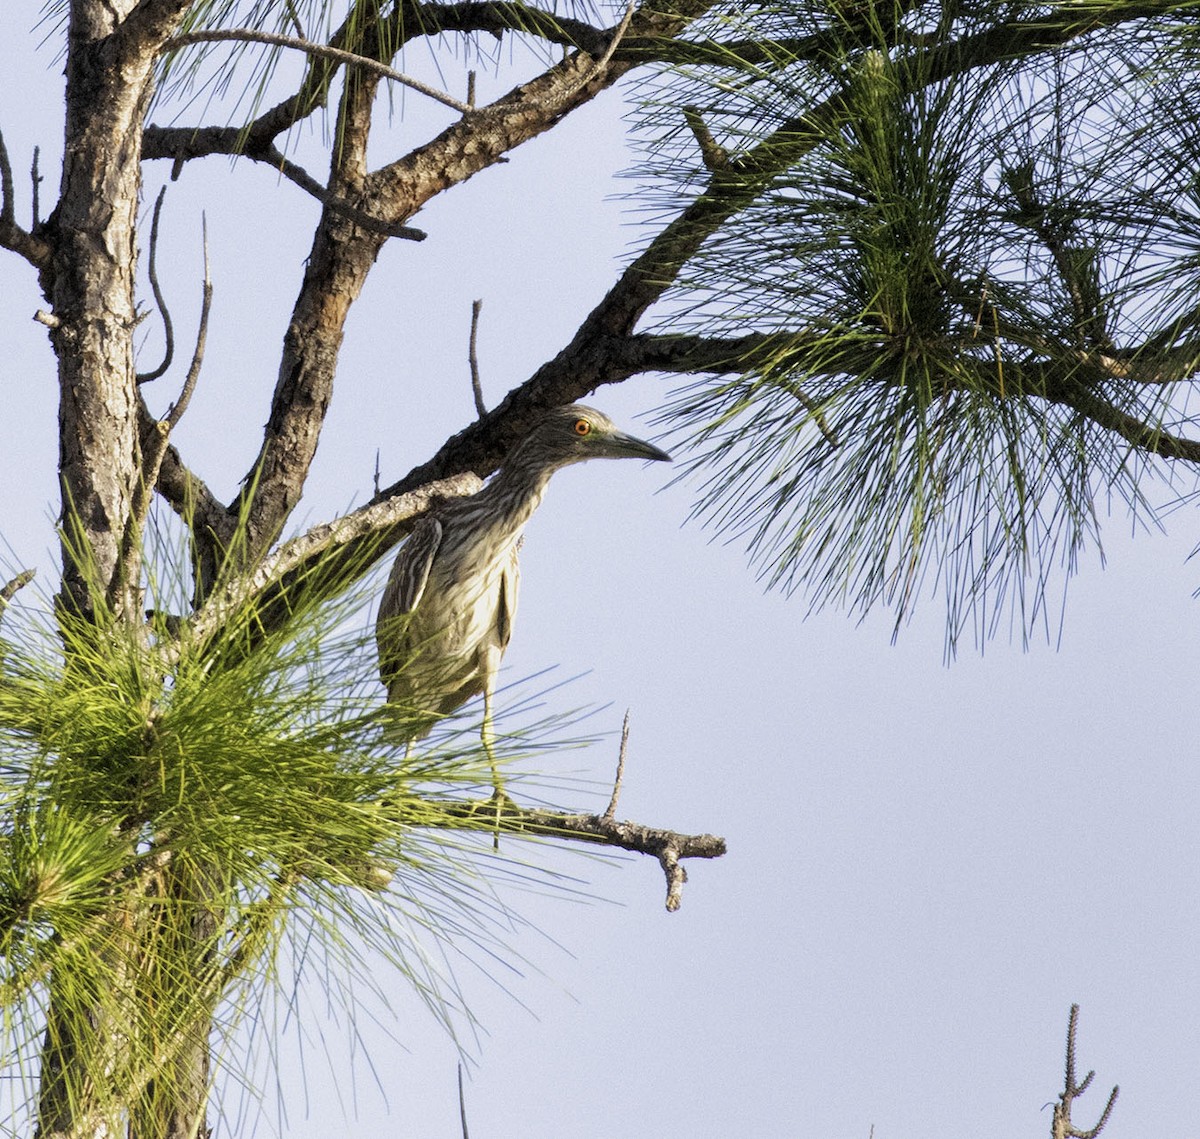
pixel 574 433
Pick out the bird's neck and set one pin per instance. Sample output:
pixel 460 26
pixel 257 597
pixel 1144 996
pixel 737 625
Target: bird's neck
pixel 513 495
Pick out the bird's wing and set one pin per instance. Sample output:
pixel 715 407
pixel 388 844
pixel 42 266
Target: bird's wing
pixel 410 570
pixel 510 579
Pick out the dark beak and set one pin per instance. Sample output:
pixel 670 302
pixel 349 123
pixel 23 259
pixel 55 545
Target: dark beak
pixel 621 446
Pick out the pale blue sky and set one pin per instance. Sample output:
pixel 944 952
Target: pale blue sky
pixel 927 864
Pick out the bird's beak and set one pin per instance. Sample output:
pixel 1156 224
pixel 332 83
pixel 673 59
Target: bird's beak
pixel 621 446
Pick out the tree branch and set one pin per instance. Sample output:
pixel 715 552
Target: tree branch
pixel 1062 1127
pixel 1071 392
pixel 12 236
pixel 323 560
pixel 669 847
pixel 297 174
pixel 342 256
pixel 498 18
pixel 585 363
pixel 324 51
pixel 159 299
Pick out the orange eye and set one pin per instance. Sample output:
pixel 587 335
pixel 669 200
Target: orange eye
pixel 582 427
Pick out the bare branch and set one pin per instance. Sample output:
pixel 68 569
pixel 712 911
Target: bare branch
pixel 10 589
pixel 325 51
pixel 611 809
pixel 668 846
pixel 156 439
pixel 498 18
pixel 159 299
pixel 12 236
pixel 712 154
pixel 35 181
pixel 326 557
pixel 301 177
pixel 600 64
pixel 473 362
pixel 175 414
pixel 462 1103
pixel 1061 1126
pixel 7 205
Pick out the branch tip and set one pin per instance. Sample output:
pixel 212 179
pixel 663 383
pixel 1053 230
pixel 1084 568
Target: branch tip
pixel 619 779
pixel 473 361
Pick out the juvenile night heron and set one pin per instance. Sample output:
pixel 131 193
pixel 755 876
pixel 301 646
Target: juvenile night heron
pixel 447 613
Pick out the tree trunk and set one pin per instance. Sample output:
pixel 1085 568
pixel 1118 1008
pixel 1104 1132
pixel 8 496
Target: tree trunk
pixel 112 48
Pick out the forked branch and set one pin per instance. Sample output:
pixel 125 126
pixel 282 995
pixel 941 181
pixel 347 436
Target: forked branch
pixel 12 236
pixel 1062 1127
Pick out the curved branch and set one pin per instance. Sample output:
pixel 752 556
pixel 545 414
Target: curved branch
pixel 498 18
pixel 159 299
pixel 323 51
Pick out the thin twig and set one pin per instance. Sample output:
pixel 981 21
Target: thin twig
pixel 154 446
pixel 159 299
pixel 299 176
pixel 12 236
pixel 600 64
pixel 376 472
pixel 324 51
pixel 473 361
pixel 36 179
pixel 175 414
pixel 611 809
pixel 7 207
pixel 10 590
pixel 462 1103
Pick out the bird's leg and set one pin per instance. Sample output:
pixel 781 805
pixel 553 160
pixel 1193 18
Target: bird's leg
pixel 489 745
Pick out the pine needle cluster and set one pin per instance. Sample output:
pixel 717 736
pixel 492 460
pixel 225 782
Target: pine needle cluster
pixel 177 807
pixel 956 269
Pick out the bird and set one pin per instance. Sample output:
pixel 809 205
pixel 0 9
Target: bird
pixel 447 612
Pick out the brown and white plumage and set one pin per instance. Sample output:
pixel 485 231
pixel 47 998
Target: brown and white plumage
pixel 447 613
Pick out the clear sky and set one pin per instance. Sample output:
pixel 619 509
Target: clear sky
pixel 927 864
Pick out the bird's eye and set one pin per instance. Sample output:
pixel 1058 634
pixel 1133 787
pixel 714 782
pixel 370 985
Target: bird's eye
pixel 583 427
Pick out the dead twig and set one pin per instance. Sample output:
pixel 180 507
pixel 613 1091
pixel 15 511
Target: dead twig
pixel 298 176
pixel 323 51
pixel 12 236
pixel 36 181
pixel 159 299
pixel 175 414
pixel 473 361
pixel 1062 1127
pixel 155 442
pixel 669 847
pixel 10 590
pixel 611 809
pixel 712 153
pixel 600 64
pixel 462 1104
